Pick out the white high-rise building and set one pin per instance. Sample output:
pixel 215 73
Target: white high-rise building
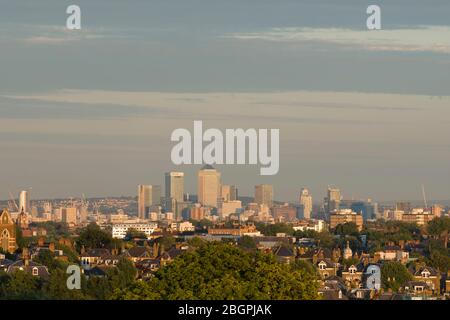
pixel 209 186
pixel 24 201
pixel 306 202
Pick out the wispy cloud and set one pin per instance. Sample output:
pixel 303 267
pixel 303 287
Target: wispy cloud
pixel 421 39
pixel 56 35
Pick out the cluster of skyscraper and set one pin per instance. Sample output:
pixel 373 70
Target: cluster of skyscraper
pixel 211 193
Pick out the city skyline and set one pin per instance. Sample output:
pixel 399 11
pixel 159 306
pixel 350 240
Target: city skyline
pixel 224 192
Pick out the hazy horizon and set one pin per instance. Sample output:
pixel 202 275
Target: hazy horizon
pixel 91 111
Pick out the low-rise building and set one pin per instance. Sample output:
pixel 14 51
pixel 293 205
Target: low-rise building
pixel 392 253
pixel 309 225
pixel 119 231
pixel 237 230
pixel 345 216
pixel 430 276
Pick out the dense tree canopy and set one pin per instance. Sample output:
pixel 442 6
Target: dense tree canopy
pixel 222 271
pixel 440 228
pixel 247 242
pixel 273 229
pixel 346 229
pixel 394 275
pixel 94 237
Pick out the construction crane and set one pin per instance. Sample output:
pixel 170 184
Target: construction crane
pixel 424 197
pixel 12 203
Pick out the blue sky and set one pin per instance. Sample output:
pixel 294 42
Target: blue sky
pixel 364 110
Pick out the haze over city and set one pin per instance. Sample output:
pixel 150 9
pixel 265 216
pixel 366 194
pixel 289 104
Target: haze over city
pixel 92 112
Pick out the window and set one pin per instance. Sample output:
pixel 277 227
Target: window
pixel 322 265
pixel 419 288
pixel 35 271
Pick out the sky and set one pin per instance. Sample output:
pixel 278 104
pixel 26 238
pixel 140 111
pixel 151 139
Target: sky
pixel 91 111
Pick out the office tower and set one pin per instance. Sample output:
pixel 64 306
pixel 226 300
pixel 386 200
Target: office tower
pixel 148 196
pixel 368 209
pixel 436 210
pixel 306 202
pixel 174 190
pixel 333 199
pixel 24 201
pixel 264 194
pixel 197 212
pixel 69 215
pixel 48 207
pixel 284 213
pixel 156 196
pixel 174 186
pixel 229 193
pixel 230 207
pixel 208 186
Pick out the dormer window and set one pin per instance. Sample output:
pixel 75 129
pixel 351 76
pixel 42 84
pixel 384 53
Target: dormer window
pixel 352 269
pixel 425 274
pixel 35 271
pixel 322 265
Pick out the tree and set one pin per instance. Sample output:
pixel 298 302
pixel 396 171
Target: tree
pixel 247 242
pixel 99 288
pixel 55 230
pixel 56 287
pixel 439 228
pixel 138 290
pixel 347 229
pixel 440 261
pixel 47 258
pixel 304 265
pixel 394 275
pixel 166 241
pixel 224 271
pixel 196 242
pixel 133 234
pixel 273 229
pixel 325 239
pixel 20 285
pixel 94 237
pixel 123 275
